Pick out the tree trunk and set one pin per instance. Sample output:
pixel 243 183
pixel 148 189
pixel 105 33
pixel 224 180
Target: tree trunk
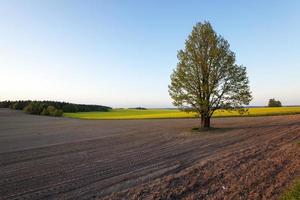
pixel 205 122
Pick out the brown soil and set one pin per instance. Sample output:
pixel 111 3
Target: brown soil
pixel 60 158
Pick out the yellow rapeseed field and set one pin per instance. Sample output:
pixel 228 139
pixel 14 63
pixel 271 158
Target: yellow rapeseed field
pixel 173 113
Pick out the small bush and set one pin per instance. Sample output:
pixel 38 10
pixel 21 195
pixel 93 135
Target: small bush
pixel 45 112
pixel 57 113
pixel 139 108
pixel 52 111
pixel 34 108
pixel 28 109
pixel 274 103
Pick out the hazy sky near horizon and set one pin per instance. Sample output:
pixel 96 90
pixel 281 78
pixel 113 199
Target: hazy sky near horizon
pixel 121 53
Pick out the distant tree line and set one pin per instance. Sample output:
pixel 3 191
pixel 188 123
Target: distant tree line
pixel 139 108
pixel 274 103
pixel 50 108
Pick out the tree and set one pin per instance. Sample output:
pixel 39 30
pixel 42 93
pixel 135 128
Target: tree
pixel 274 103
pixel 206 77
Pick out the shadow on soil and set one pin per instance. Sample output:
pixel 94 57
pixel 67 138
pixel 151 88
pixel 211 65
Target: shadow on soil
pixel 225 129
pixel 213 130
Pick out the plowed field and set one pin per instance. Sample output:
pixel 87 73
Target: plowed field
pixel 61 158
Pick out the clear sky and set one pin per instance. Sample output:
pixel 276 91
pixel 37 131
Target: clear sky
pixel 121 53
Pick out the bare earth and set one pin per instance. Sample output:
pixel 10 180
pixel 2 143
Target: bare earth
pixel 60 158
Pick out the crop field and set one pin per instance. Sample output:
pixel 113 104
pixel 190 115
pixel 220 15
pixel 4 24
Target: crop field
pixel 63 158
pixel 172 113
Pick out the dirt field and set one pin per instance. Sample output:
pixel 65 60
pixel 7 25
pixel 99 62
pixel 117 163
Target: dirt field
pixel 61 158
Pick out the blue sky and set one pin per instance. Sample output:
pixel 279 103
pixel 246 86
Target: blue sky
pixel 121 53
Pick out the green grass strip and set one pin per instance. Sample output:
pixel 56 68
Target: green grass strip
pixel 293 193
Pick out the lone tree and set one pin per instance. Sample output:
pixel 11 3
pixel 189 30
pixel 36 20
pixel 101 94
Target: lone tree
pixel 206 77
pixel 274 103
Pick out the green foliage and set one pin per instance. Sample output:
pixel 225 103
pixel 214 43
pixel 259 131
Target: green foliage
pixel 28 109
pixel 70 108
pixel 206 78
pixel 139 108
pixel 54 112
pixel 45 112
pixel 51 108
pixel 293 193
pixel 58 113
pixel 35 108
pixel 65 107
pixel 19 105
pixel 5 104
pixel 16 105
pixel 274 103
pixel 38 108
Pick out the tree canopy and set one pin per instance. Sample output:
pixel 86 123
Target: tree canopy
pixel 274 103
pixel 206 77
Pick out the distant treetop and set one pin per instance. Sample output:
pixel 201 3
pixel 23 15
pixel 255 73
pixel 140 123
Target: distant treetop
pixel 139 108
pixel 274 103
